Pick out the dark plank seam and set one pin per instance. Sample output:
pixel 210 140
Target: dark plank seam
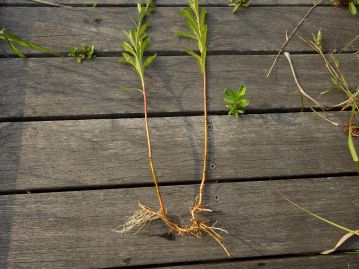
pixel 249 111
pixel 176 183
pixel 157 5
pixel 171 53
pixel 225 261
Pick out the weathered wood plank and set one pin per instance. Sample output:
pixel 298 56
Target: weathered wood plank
pixel 314 262
pixel 75 229
pixel 60 87
pixel 164 2
pixel 90 152
pixel 255 29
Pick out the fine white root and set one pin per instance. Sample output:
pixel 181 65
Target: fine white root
pixel 196 228
pixel 140 218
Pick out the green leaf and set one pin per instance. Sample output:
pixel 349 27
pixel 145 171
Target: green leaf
pixel 243 103
pixel 352 8
pixel 127 59
pixel 192 53
pixel 184 34
pixel 149 60
pixel 241 92
pixel 230 100
pixel 127 47
pixel 16 50
pixel 350 142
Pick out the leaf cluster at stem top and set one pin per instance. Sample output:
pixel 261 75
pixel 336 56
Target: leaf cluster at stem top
pixel 195 19
pixel 138 41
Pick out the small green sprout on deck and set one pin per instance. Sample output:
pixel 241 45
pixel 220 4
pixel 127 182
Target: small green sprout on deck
pixel 84 52
pixel 236 101
pixel 318 38
pixel 13 40
pixel 236 4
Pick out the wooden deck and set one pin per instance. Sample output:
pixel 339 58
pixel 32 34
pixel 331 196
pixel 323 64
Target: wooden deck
pixel 73 161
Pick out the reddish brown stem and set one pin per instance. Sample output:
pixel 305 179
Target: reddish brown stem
pixel 198 203
pixel 148 135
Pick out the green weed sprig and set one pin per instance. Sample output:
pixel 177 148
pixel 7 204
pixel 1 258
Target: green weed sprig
pixel 14 40
pixel 84 52
pixel 236 101
pixel 195 20
pixel 339 82
pixel 138 41
pixel 237 4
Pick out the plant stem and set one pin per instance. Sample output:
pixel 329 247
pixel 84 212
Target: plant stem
pixel 205 155
pixel 153 171
pixel 290 36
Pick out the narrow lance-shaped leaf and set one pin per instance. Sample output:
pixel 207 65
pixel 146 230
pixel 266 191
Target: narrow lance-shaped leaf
pixel 184 34
pixel 149 60
pixel 12 38
pixel 15 49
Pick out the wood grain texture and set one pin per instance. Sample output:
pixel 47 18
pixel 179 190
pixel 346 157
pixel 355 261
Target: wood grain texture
pixel 60 87
pixel 160 2
pixel 75 229
pixel 315 262
pixel 91 152
pixel 253 30
pixel 163 2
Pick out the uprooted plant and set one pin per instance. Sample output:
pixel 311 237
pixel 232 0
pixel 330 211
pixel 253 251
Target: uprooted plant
pixel 339 83
pixel 195 19
pixel 134 55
